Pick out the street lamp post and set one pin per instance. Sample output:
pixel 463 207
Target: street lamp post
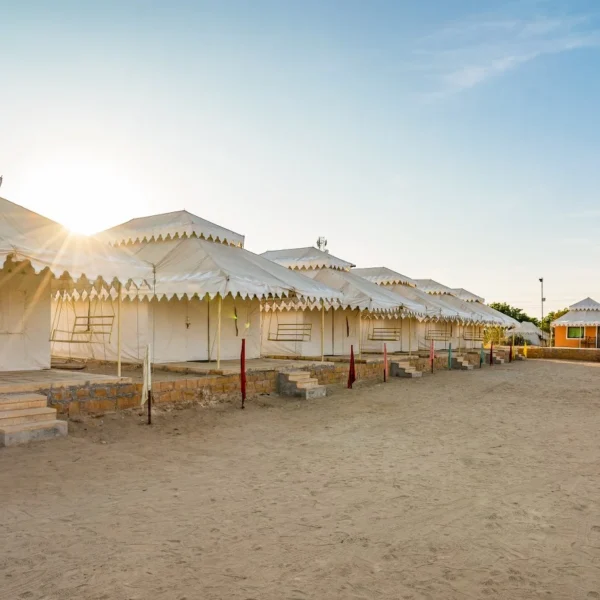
pixel 543 300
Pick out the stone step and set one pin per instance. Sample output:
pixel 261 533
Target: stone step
pixel 403 369
pixel 307 383
pixel 298 376
pixel 25 416
pixel 21 401
pixel 319 391
pixel 12 435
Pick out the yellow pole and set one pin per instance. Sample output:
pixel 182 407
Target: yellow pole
pixel 322 331
pixel 525 350
pixel 219 331
pixel 119 332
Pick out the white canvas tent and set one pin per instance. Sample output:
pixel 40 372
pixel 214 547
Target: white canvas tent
pixel 36 254
pixel 204 297
pixel 367 315
pixel 532 334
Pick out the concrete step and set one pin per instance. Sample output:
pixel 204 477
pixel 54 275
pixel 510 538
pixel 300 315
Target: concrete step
pixel 298 376
pixel 319 391
pixel 12 435
pixel 26 416
pixel 403 369
pixel 307 384
pixel 21 401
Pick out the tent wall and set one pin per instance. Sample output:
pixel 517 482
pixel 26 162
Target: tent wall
pixel 24 321
pixel 341 331
pixel 179 330
pixel 373 328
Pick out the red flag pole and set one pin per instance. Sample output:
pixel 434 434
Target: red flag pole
pixel 385 363
pixel 510 353
pixel 243 372
pixel 432 355
pixel 352 370
pixel 491 354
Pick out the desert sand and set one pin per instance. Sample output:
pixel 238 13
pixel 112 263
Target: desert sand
pixel 465 485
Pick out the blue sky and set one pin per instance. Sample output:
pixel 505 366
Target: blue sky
pixel 456 140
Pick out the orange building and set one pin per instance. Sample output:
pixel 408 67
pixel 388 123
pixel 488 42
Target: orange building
pixel 580 327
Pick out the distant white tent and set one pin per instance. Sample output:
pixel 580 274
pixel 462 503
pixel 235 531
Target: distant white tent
pixel 532 334
pixel 204 298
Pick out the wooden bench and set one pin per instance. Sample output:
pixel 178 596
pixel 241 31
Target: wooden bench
pixel 291 332
pixel 385 334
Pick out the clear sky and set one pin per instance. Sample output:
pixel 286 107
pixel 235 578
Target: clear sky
pixel 449 139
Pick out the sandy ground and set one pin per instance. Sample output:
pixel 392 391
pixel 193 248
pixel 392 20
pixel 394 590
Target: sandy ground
pixel 480 484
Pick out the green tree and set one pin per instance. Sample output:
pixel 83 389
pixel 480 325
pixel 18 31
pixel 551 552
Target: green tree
pixel 514 312
pixel 552 316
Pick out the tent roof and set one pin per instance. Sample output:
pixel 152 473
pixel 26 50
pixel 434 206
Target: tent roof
pixel 578 318
pixel 526 327
pixel 306 258
pixel 467 296
pixel 171 225
pixel 384 276
pixel 28 236
pixel 194 267
pixel 586 304
pixel 360 293
pixel 433 287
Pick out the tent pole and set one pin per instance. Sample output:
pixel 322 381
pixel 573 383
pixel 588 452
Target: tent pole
pixel 219 332
pixel 409 336
pixel 208 326
pixel 359 333
pixel 119 332
pixel 322 331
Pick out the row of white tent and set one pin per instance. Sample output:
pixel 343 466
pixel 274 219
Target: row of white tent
pixel 190 289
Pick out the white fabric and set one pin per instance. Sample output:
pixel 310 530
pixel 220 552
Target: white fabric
pixel 432 287
pixel 178 330
pixel 146 376
pixel 358 292
pixel 528 331
pixel 578 318
pixel 384 276
pixel 27 236
pixel 191 266
pixel 306 258
pixel 467 296
pixel 586 304
pixel 167 226
pixel 24 320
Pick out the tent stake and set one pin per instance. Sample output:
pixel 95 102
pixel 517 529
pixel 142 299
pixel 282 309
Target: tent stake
pixel 219 332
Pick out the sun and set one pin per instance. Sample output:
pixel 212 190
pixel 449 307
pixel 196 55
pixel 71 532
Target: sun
pixel 84 196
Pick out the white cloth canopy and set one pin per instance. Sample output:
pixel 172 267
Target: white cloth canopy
pixel 526 327
pixel 168 226
pixel 192 267
pixel 360 293
pixel 28 236
pixel 586 304
pixel 306 258
pixel 467 296
pixel 433 287
pixel 384 276
pixel 578 318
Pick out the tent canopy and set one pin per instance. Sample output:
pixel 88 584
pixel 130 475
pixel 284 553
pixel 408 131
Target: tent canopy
pixel 467 296
pixel 526 327
pixel 585 304
pixel 384 276
pixel 360 293
pixel 578 318
pixel 433 287
pixel 307 258
pixel 169 226
pixel 192 267
pixel 28 236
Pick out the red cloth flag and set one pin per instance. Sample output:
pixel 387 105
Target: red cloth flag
pixel 352 371
pixel 243 372
pixel 432 355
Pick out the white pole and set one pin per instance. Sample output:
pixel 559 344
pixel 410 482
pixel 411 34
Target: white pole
pixel 359 333
pixel 409 336
pixel 119 332
pixel 322 332
pixel 219 332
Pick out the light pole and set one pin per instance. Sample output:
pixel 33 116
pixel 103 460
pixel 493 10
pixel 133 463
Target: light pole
pixel 543 300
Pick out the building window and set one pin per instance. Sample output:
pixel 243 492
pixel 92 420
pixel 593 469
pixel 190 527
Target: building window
pixel 575 333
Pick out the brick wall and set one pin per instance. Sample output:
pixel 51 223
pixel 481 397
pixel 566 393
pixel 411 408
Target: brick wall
pixel 583 354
